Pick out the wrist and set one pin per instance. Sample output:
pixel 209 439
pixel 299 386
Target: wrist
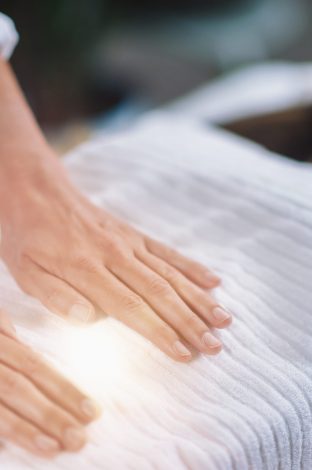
pixel 27 174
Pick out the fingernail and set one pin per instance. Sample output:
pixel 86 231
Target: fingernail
pixel 210 340
pixel 81 313
pixel 220 314
pixel 210 277
pixel 46 443
pixel 180 349
pixel 90 408
pixel 74 438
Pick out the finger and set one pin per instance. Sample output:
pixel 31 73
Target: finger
pixel 6 327
pixel 197 299
pixel 24 399
pixel 22 433
pixel 167 304
pixel 50 382
pixel 195 271
pixel 115 299
pixel 58 296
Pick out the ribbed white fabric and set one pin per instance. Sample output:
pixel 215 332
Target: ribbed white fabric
pixel 248 215
pixel 8 36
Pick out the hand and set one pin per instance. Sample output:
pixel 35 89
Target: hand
pixel 39 409
pixel 73 256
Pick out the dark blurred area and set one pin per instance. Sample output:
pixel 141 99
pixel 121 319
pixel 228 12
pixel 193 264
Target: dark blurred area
pixel 62 73
pixel 86 60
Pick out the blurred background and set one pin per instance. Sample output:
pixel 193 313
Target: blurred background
pixel 96 64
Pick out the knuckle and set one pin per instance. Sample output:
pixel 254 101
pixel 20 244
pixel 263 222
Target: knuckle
pixel 112 244
pixel 11 383
pixel 159 286
pixel 51 298
pixel 165 332
pixel 23 279
pixel 171 253
pixel 9 427
pixel 22 261
pixel 190 321
pixel 132 302
pixel 170 274
pixel 51 419
pixel 116 251
pixel 86 263
pixel 31 364
pixel 15 428
pixel 121 257
pixel 47 416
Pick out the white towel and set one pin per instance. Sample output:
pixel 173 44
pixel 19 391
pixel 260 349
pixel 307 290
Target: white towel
pixel 245 213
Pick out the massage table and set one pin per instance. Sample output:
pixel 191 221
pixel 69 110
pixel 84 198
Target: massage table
pixel 244 212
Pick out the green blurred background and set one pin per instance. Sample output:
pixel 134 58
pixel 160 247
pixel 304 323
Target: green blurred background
pixel 86 61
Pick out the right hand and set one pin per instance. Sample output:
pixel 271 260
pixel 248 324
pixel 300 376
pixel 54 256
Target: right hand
pixel 40 410
pixel 74 256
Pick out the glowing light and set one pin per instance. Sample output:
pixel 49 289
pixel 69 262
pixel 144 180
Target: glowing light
pixel 94 358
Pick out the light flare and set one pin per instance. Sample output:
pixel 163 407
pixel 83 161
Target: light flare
pixel 95 358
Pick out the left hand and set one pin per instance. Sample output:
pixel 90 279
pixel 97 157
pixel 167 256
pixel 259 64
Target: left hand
pixel 40 410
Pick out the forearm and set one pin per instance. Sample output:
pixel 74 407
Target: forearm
pixel 25 155
pixel 17 123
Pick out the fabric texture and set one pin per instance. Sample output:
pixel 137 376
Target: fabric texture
pixel 8 36
pixel 254 90
pixel 245 213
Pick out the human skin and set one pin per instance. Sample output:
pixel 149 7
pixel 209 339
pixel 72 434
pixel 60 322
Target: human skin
pixel 33 413
pixel 77 258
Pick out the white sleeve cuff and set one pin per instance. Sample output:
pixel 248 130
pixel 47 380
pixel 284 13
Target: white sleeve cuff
pixel 8 36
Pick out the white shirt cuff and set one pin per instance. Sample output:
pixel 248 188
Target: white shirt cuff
pixel 8 36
